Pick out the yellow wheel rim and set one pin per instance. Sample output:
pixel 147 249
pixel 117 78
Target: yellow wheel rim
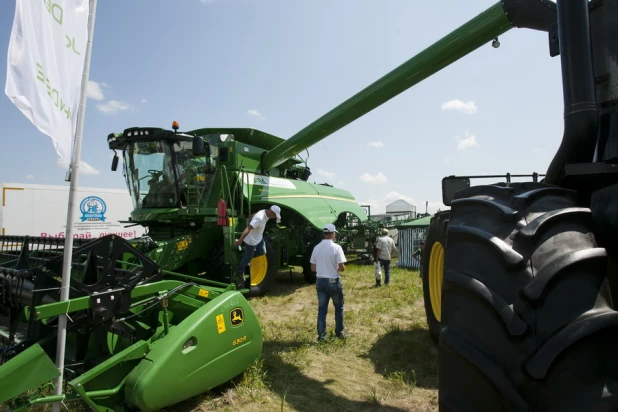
pixel 258 269
pixel 436 274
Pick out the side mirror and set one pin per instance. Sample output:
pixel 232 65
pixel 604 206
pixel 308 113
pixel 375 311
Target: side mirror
pixel 451 185
pixel 198 146
pixel 115 163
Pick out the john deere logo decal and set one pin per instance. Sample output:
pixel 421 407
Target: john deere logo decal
pixel 237 317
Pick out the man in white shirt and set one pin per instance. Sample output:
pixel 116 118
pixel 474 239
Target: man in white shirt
pixel 385 248
pixel 327 260
pixel 253 237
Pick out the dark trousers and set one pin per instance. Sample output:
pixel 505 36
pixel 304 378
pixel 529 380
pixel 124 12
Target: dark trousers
pixel 251 251
pixel 329 289
pixel 386 264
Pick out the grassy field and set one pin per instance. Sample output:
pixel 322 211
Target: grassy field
pixel 388 363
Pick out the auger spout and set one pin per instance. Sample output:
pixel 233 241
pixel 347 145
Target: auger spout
pixel 481 29
pixel 485 27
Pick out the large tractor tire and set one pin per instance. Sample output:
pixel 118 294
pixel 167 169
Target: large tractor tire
pixel 527 318
pixel 309 275
pixel 263 270
pixel 433 271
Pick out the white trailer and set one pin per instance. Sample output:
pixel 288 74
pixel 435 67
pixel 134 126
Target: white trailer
pixel 41 210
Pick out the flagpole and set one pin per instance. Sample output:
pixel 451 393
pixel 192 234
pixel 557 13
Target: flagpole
pixel 72 176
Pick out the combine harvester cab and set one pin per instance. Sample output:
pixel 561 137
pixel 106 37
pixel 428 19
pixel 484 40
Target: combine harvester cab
pixel 133 339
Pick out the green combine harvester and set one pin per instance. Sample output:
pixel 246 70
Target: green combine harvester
pixel 519 278
pixel 196 192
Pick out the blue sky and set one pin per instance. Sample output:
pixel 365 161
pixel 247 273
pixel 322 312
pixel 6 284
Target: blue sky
pixel 277 65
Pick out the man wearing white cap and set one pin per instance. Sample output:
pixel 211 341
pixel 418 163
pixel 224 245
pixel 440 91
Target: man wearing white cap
pixel 385 249
pixel 327 260
pixel 253 237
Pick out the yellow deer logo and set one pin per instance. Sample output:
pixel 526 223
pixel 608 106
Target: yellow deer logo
pixel 236 317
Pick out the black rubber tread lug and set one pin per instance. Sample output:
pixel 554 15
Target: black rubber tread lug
pixel 534 290
pixel 532 195
pixel 487 367
pixel 607 403
pixel 500 191
pixel 584 326
pixel 467 233
pixel 568 348
pixel 531 230
pixel 515 325
pixel 451 403
pixel 506 211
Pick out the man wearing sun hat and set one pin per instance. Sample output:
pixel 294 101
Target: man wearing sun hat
pixel 253 237
pixel 327 260
pixel 385 249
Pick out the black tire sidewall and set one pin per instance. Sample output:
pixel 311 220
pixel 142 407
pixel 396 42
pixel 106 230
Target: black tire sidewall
pixel 436 233
pixel 271 271
pixel 309 275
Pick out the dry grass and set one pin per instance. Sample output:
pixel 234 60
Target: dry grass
pixel 389 363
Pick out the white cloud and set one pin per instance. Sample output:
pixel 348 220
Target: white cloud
pixel 254 113
pixel 447 161
pixel 341 182
pixel 376 144
pixel 29 176
pixel 326 173
pixel 376 180
pixel 114 106
pixel 94 91
pixel 467 142
pixel 144 101
pixel 84 168
pixel 464 107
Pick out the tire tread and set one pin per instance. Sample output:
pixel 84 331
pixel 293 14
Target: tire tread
pixel 526 310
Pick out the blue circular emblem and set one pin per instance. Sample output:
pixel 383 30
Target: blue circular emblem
pixel 93 208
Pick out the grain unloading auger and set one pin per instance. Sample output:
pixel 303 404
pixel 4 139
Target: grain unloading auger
pixel 138 337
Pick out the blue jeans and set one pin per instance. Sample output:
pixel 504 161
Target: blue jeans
pixel 250 252
pixel 329 289
pixel 386 264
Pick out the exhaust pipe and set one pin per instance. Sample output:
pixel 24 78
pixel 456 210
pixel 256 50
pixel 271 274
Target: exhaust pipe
pixel 581 119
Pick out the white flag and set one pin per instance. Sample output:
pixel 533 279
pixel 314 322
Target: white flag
pixel 45 63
